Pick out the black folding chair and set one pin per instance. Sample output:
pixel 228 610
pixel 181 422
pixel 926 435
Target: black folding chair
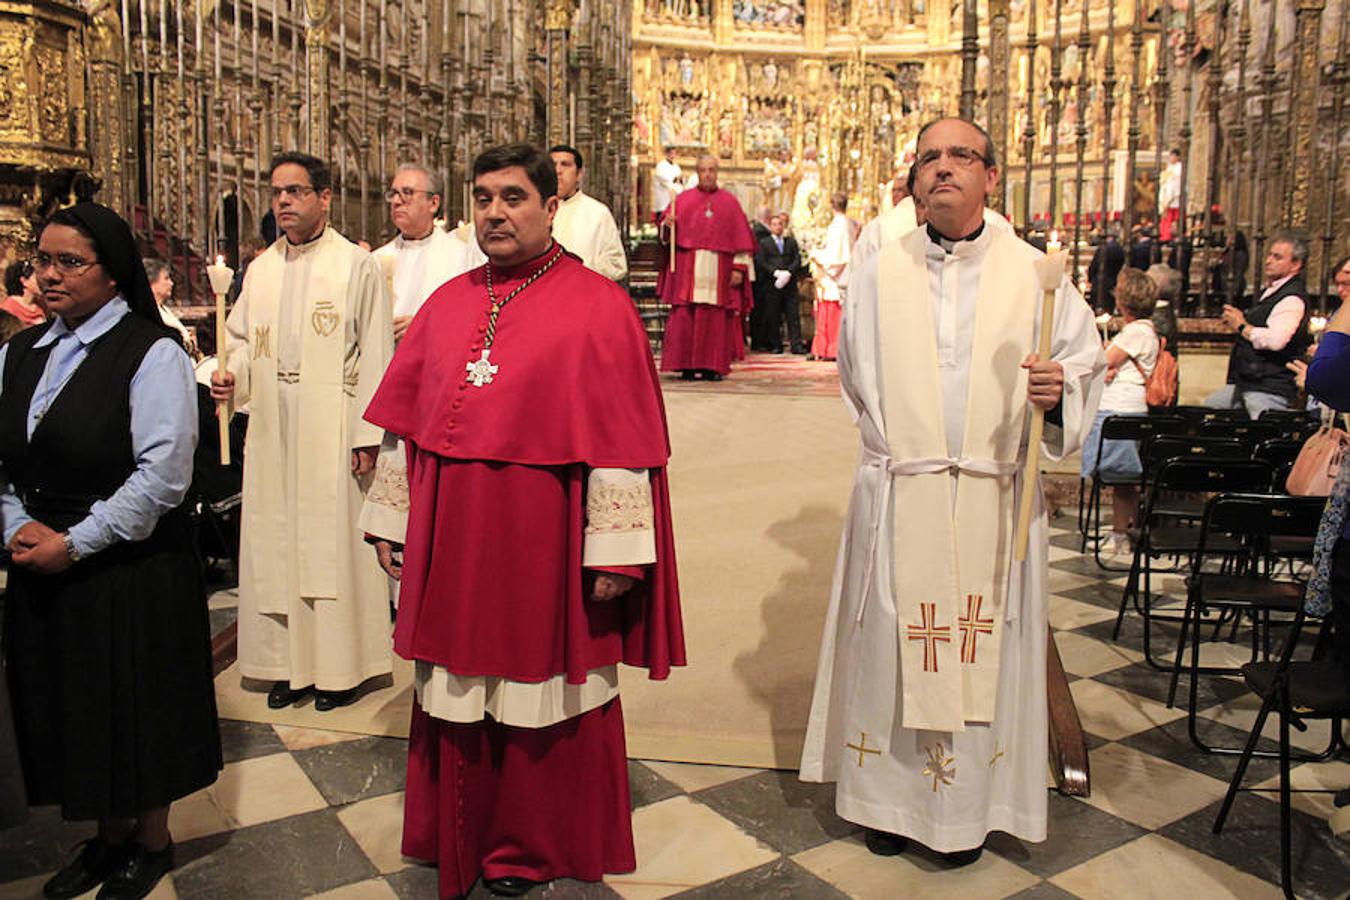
pixel 1280 453
pixel 1293 423
pixel 1297 692
pixel 1163 448
pixel 1124 427
pixel 1198 416
pixel 1165 533
pixel 1249 432
pixel 1241 586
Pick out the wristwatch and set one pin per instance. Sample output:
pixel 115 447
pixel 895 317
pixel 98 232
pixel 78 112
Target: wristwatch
pixel 70 547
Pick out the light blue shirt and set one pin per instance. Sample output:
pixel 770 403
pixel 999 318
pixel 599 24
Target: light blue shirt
pixel 163 433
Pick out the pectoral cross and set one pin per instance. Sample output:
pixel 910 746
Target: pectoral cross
pixel 480 370
pixel 862 748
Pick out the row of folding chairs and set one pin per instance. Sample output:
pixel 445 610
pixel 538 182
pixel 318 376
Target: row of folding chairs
pixel 1276 438
pixel 1246 559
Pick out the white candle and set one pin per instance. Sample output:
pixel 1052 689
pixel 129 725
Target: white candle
pixel 1053 245
pixel 220 276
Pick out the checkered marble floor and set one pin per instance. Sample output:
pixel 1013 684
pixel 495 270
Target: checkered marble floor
pixel 301 813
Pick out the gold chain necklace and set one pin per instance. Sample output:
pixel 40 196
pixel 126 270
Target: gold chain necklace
pixel 480 371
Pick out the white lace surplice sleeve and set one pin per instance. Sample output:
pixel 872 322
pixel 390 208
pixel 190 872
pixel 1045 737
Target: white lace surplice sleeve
pixel 385 512
pixel 620 524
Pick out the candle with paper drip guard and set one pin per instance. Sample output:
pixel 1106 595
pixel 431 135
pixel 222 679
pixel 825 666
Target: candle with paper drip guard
pixel 221 277
pixel 1050 274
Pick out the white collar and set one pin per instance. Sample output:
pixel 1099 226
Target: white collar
pixel 403 243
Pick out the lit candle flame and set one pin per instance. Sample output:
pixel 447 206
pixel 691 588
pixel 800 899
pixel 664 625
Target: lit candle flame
pixel 220 260
pixel 1053 245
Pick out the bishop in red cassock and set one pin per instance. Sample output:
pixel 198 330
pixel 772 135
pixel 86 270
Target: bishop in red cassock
pixel 709 290
pixel 537 554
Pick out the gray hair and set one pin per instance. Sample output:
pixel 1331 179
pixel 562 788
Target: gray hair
pixel 1168 281
pixel 433 179
pixel 1298 247
pixel 154 268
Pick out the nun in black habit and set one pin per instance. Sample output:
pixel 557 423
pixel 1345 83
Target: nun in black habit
pixel 106 636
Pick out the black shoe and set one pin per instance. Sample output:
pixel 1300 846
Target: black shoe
pixel 687 375
pixel 883 843
pixel 281 695
pixel 96 860
pixel 712 376
pixel 962 857
pixel 510 886
pixel 139 874
pixel 778 350
pixel 799 350
pixel 326 700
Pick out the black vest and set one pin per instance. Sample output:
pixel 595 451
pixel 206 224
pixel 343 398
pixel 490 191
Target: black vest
pixel 81 450
pixel 1250 369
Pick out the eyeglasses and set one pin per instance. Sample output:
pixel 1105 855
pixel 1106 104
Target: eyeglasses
pixel 965 157
pixel 292 190
pixel 65 263
pixel 405 194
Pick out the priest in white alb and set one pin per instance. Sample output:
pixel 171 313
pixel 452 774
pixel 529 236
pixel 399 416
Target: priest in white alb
pixel 930 707
pixel 422 256
pixel 830 261
pixel 584 226
pixel 309 337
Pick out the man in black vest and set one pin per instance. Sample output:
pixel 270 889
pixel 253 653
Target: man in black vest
pixel 778 262
pixel 1269 335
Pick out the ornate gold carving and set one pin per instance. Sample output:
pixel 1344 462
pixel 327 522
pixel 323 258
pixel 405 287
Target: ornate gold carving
pixel 16 50
pixel 1303 104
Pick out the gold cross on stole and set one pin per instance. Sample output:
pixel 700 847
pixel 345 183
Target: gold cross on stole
pixel 862 748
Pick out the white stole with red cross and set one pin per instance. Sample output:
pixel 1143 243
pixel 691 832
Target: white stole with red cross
pixel 952 547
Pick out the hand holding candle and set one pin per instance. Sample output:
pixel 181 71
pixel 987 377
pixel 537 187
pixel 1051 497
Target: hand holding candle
pixel 221 277
pixel 1050 274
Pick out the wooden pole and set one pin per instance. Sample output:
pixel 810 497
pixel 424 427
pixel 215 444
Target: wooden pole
pixel 1050 272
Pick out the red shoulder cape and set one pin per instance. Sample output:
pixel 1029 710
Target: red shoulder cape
pixel 725 231
pixel 576 382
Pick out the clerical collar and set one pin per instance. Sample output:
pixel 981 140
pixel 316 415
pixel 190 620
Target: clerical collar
pixel 947 243
pixel 293 249
pixel 525 269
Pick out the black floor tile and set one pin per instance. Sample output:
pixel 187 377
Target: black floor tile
pixel 415 883
pixel 355 770
pixel 1164 636
pixel 292 857
pixel 245 740
pixel 562 889
pixel 1076 832
pixel 782 878
pixel 42 844
pixel 1146 681
pixel 1099 593
pixel 1173 743
pixel 780 810
pixel 1043 891
pixel 1251 840
pixel 647 787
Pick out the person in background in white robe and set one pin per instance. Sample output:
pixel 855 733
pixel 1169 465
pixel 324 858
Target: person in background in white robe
pixel 667 182
pixel 422 256
pixel 584 225
pixel 924 353
pixel 310 337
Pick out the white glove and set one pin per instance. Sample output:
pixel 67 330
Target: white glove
pixel 780 278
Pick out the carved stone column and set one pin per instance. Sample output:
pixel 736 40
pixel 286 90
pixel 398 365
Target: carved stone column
pixel 317 15
pixel 557 21
pixel 1000 54
pixel 1303 108
pixel 103 48
pixel 817 14
pixel 970 53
